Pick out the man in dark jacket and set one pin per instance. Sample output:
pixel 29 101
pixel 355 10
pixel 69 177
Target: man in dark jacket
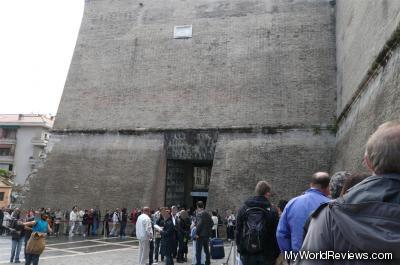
pixel 203 233
pixel 257 218
pixel 366 220
pixel 167 237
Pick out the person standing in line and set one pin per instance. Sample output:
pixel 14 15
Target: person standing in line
pixel 17 238
pixel 256 224
pixel 175 220
pixel 144 234
pixel 160 223
pixel 1 220
pixel 73 221
pixel 106 225
pixel 290 228
pixel 124 222
pixel 96 218
pixel 214 218
pixel 168 237
pixel 115 222
pixel 66 223
pixel 57 221
pixel 90 222
pixel 85 223
pixel 204 225
pixel 230 225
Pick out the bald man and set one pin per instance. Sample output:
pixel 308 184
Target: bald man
pixel 144 234
pixel 290 228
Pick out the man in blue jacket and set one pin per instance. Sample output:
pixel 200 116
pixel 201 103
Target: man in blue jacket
pixel 290 228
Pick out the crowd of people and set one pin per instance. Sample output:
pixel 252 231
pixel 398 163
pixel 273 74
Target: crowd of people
pixel 348 212
pixel 90 222
pixel 348 218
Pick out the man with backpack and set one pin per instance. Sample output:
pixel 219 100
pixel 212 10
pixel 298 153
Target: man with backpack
pixel 256 226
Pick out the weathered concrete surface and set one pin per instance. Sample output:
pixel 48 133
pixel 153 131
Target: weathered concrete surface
pixel 101 170
pixel 249 63
pixel 286 160
pixel 380 102
pixel 362 29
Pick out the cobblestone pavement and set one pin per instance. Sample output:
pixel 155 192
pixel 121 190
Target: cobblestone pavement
pixel 63 251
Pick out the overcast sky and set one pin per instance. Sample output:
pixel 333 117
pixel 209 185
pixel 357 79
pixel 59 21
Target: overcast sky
pixel 37 42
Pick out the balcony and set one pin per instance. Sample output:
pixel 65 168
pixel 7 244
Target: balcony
pixel 7 159
pixel 39 141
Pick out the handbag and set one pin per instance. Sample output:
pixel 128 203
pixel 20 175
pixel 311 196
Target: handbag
pixel 36 244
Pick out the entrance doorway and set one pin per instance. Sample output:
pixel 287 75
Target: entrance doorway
pixel 187 182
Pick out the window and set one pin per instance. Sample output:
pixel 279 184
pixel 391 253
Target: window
pixel 5 151
pixel 8 133
pixel 1 196
pixel 201 177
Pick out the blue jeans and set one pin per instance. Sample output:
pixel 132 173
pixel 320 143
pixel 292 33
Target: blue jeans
pixel 122 230
pixel 32 259
pixel 16 248
pixel 94 228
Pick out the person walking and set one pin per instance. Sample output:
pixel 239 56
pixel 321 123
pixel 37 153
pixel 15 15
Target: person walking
pixel 256 227
pixel 40 228
pixel 144 234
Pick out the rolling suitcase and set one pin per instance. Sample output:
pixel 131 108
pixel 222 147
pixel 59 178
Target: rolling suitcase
pixel 217 250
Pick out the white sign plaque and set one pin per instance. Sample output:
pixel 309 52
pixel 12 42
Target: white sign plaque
pixel 183 32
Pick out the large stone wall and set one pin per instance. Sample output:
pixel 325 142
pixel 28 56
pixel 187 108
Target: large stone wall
pixel 379 103
pixel 249 63
pixel 285 159
pixel 101 170
pixel 256 82
pixel 364 30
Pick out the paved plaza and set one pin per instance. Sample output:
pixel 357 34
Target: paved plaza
pixel 63 251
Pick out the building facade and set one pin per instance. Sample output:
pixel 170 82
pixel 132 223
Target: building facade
pixel 170 102
pixel 23 138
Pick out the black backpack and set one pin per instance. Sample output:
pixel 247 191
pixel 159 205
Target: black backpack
pixel 255 229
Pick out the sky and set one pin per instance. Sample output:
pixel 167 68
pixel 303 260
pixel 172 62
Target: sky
pixel 37 42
